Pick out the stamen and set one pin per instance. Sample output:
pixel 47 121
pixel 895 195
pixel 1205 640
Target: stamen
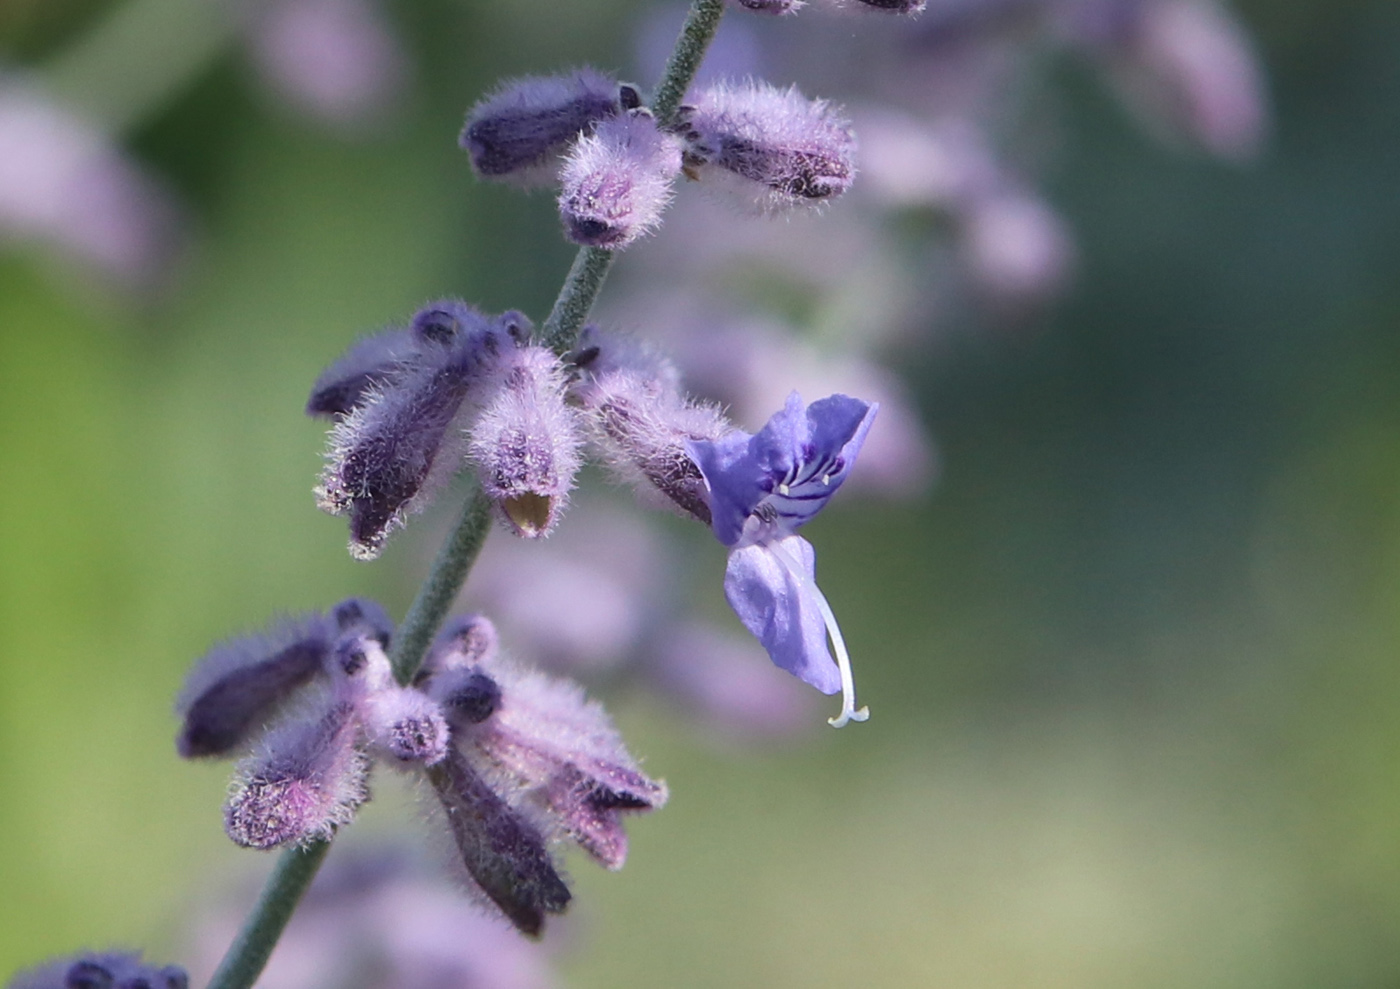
pixel 843 660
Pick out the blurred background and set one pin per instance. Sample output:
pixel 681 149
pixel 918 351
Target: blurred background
pixel 1123 601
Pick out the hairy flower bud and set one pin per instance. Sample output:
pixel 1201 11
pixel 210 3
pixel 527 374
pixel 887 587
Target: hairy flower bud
pixel 526 122
pixel 780 149
pixel 406 436
pixel 102 970
pixel 770 6
pixel 398 722
pixel 616 181
pixel 238 684
pixel 370 364
pixel 504 853
pixel 307 780
pixel 526 441
pixel 545 748
pixel 896 6
pixel 640 422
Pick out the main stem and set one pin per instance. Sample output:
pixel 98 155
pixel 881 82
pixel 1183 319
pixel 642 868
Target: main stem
pixel 297 867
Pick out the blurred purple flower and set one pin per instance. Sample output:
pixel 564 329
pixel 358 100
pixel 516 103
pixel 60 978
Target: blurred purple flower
pixel 763 488
pixel 337 61
pixel 64 185
pixel 376 918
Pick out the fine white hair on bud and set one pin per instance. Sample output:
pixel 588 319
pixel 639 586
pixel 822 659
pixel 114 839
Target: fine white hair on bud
pixel 403 438
pixel 639 422
pixel 399 723
pixel 616 182
pixel 526 441
pixel 536 740
pixel 774 148
pixel 307 779
pixel 775 7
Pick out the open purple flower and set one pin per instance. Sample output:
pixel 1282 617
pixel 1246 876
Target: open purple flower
pixel 763 488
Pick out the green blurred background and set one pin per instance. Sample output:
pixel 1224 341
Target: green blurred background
pixel 1133 664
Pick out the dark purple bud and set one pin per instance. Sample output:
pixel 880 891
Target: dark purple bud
pixel 526 442
pixel 463 643
pixel 399 723
pixel 896 6
pixel 371 363
pixel 778 148
pixel 363 615
pixel 770 6
pixel 101 970
pixel 527 122
pixel 451 673
pixel 546 747
pixel 640 424
pixel 391 453
pixel 308 780
pixel 503 852
pixel 590 807
pixel 172 977
pixel 616 181
pixel 474 699
pixel 87 975
pixel 238 684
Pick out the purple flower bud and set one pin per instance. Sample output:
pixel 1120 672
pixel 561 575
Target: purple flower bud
pixel 640 423
pixel 548 749
pixel 504 853
pixel 307 780
pixel 392 451
pixel 467 695
pixel 781 149
pixel 399 723
pixel 616 181
pixel 363 615
pixel 102 970
pixel 896 6
pixel 370 364
pixel 770 6
pixel 526 441
pixel 238 684
pixel 526 122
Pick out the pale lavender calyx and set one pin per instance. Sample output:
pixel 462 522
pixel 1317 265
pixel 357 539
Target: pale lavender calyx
pixel 526 441
pixel 762 489
pixel 788 150
pixel 616 181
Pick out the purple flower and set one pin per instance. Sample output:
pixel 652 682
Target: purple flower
pixel 762 489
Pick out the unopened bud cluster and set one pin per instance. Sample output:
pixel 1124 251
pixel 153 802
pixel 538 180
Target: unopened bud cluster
pixel 520 762
pixel 412 405
pixel 615 163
